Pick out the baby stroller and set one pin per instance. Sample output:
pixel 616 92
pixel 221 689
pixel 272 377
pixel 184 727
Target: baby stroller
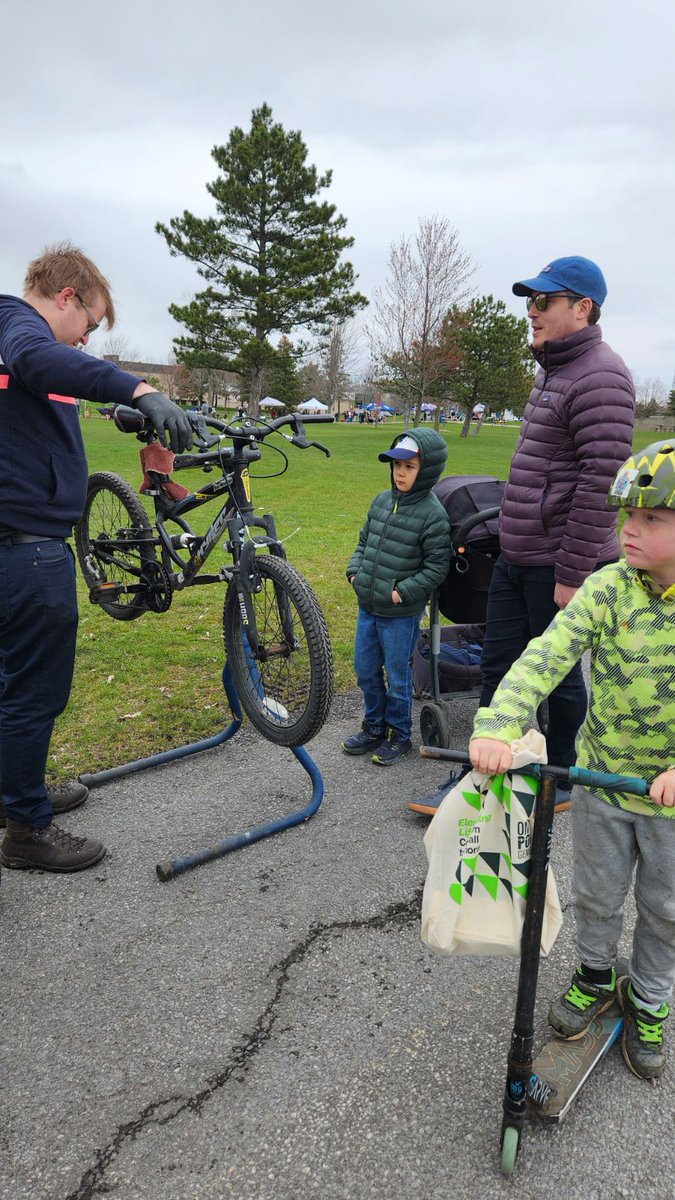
pixel 446 662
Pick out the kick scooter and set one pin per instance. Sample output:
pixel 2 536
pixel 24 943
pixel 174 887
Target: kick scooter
pixel 550 1084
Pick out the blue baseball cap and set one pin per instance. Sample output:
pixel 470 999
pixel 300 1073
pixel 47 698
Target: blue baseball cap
pixel 406 447
pixel 575 274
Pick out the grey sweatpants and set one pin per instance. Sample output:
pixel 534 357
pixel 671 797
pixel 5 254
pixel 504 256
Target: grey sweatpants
pixel 607 844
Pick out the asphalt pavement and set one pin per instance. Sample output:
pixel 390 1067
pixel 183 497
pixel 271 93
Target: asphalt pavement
pixel 269 1025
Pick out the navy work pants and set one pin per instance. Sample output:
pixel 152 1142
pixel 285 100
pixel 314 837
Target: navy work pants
pixel 38 627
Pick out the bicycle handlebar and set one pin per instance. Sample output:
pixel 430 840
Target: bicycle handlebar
pixel 129 420
pixel 582 775
pixel 256 429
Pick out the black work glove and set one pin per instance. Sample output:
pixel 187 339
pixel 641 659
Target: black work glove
pixel 167 419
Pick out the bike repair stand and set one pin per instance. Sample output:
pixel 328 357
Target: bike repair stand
pixel 168 870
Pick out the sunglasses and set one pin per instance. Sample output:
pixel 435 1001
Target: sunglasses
pixel 542 300
pixel 93 325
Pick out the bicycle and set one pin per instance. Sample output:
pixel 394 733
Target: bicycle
pixel 276 638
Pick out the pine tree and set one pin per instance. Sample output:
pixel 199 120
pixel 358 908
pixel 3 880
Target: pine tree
pixel 271 255
pixel 284 381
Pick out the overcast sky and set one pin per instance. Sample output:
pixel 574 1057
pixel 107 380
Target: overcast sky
pixel 537 129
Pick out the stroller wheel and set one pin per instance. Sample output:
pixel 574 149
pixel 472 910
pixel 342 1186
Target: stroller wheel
pixel 434 726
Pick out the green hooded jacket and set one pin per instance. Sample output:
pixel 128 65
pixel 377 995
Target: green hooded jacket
pixel 405 542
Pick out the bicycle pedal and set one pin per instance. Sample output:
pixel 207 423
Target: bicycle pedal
pixel 103 593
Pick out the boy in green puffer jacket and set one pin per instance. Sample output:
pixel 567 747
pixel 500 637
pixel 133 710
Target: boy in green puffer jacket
pixel 402 555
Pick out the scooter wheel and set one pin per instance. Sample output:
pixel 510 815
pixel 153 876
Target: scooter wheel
pixel 510 1146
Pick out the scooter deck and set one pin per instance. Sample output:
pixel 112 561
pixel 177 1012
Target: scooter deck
pixel 561 1069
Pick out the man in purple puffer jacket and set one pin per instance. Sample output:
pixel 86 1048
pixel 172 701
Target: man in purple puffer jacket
pixel 555 526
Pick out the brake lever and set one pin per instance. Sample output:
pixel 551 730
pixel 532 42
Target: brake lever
pixel 203 438
pixel 303 444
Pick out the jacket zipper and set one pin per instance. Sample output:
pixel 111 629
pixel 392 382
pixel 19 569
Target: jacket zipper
pixel 372 582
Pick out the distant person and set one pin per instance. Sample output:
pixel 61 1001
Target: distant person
pixel 625 616
pixel 43 486
pixel 402 555
pixel 555 527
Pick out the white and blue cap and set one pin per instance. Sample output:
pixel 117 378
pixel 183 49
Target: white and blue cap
pixel 406 447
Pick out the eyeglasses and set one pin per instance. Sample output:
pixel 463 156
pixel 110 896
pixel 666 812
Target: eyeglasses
pixel 93 325
pixel 543 299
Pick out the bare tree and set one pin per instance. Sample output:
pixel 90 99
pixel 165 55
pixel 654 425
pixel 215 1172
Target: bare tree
pixel 118 346
pixel 650 395
pixel 338 352
pixel 427 277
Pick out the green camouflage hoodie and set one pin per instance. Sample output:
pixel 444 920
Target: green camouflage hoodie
pixel 405 542
pixel 628 624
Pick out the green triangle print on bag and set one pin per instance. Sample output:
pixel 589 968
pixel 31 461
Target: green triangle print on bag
pixel 478 848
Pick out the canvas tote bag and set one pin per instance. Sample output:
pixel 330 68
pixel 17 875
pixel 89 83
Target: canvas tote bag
pixel 478 847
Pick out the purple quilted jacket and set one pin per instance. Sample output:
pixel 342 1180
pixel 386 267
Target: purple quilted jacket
pixel 576 433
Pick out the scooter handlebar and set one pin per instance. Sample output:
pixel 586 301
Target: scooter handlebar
pixel 582 775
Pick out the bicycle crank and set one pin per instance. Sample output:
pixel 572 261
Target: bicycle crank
pixel 158 589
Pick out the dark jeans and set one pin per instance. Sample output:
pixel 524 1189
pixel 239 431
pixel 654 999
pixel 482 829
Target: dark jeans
pixel 38 627
pixel 386 644
pixel 520 607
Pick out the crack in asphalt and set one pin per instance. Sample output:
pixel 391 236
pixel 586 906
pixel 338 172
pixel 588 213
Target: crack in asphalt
pixel 161 1112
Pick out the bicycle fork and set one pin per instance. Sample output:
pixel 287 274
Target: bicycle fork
pixel 248 584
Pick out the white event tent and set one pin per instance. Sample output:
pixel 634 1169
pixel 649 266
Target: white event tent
pixel 312 405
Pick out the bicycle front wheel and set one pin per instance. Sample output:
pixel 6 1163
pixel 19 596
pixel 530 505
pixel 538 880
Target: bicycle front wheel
pixel 113 542
pixel 286 689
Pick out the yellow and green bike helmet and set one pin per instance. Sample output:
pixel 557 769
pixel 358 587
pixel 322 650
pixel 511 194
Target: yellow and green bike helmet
pixel 647 479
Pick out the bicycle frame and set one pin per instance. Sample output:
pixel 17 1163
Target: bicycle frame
pixel 235 517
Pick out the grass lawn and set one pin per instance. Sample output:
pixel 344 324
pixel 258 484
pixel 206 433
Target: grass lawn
pixel 147 685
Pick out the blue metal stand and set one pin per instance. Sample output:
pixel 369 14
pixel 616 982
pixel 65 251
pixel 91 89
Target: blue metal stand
pixel 167 870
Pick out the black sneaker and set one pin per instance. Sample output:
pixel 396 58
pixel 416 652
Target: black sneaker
pixel 64 796
pixel 392 750
pixel 642 1037
pixel 47 848
pixel 363 742
pixel 573 1012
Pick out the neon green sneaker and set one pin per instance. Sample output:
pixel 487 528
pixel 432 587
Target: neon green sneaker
pixel 573 1012
pixel 642 1037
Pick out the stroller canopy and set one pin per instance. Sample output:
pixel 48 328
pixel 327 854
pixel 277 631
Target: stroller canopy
pixel 474 544
pixel 464 496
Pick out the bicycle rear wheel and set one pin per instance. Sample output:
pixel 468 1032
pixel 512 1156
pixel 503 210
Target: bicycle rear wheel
pixel 287 689
pixel 110 541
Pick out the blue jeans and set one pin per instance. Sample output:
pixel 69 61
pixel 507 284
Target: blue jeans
pixel 386 644
pixel 521 606
pixel 38 627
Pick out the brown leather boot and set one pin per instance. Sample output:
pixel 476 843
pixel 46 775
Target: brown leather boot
pixel 64 796
pixel 47 848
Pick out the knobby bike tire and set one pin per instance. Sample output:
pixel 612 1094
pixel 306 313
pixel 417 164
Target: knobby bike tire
pixel 113 513
pixel 287 691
